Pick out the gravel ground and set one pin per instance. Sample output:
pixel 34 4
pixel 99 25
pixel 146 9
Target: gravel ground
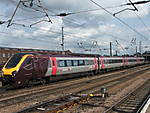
pixel 123 89
pixel 17 107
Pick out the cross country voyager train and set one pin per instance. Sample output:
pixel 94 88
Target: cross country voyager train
pixel 27 69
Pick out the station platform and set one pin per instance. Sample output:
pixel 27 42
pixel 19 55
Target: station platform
pixel 146 108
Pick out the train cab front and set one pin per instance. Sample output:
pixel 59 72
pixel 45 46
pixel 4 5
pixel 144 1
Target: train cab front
pixel 10 70
pixel 7 76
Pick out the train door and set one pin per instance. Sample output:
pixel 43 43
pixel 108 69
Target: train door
pixel 102 62
pixel 40 66
pixel 27 67
pixel 49 67
pixel 137 60
pixel 25 72
pixel 96 63
pixel 54 65
pixel 126 61
pixel 123 61
pixel 43 65
pixel 36 66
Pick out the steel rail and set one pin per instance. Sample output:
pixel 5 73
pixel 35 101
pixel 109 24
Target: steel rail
pixel 109 110
pixel 61 103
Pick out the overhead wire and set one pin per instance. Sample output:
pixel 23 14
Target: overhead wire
pixel 120 20
pixel 70 34
pixel 70 13
pixel 85 11
pixel 121 46
pixel 95 10
pixel 141 20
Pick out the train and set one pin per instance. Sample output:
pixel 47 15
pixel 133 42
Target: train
pixel 28 69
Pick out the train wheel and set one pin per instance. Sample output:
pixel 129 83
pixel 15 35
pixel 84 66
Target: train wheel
pixel 30 83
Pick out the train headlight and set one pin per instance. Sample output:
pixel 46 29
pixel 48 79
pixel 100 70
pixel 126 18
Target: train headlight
pixel 14 73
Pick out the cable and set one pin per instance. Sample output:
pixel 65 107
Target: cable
pixel 140 19
pixel 119 20
pixel 81 12
pixel 66 19
pixel 121 46
pixel 142 22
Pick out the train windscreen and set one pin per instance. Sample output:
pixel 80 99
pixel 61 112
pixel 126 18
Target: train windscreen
pixel 13 61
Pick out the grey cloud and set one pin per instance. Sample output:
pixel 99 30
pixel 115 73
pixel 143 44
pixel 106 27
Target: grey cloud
pixel 82 27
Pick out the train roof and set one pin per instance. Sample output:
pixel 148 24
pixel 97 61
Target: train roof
pixel 50 55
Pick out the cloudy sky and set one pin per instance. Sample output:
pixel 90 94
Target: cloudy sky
pixel 88 29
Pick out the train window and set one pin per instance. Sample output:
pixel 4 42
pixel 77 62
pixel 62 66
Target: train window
pixel 61 63
pixel 13 61
pixel 115 61
pixel 86 62
pixel 120 61
pixel 109 61
pixel 106 61
pixel 91 62
pixel 28 64
pixel 81 62
pixel 69 62
pixel 75 62
pixel 112 61
pixel 28 61
pixel 132 60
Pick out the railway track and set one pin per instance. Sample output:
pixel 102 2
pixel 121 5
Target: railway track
pixel 77 97
pixel 14 98
pixel 9 99
pixel 17 92
pixel 133 102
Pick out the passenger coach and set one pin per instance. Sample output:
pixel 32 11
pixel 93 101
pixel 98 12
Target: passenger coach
pixel 24 69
